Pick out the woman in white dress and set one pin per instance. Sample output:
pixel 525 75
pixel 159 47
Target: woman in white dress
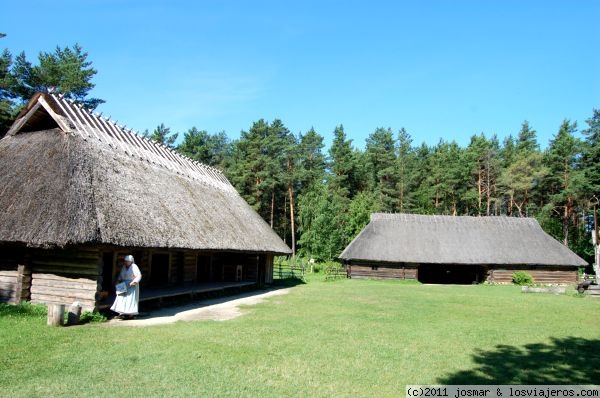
pixel 128 289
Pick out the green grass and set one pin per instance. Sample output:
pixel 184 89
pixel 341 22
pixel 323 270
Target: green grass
pixel 341 338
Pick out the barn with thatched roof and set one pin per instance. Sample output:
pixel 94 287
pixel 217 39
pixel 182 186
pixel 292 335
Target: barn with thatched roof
pixel 78 192
pixel 446 249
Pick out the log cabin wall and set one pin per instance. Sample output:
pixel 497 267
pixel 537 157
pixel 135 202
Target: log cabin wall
pixel 15 275
pixel 383 271
pixel 63 276
pixel 546 274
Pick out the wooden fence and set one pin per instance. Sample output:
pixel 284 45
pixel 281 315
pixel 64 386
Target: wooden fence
pixel 288 269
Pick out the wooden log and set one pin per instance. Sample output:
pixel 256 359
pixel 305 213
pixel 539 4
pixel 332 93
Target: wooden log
pixel 86 305
pixel 59 292
pixel 66 284
pixel 7 285
pixel 42 275
pixel 8 279
pixel 56 314
pixel 91 271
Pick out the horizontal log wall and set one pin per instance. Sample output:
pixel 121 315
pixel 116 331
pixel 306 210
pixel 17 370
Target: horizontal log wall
pixel 14 285
pixel 387 271
pixel 15 276
pixel 66 276
pixel 8 284
pixel 551 276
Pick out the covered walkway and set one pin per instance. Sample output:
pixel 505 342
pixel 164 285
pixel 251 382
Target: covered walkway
pixel 186 290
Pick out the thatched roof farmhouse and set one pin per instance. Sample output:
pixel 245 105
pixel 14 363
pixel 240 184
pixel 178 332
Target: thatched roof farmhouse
pixel 450 249
pixel 77 192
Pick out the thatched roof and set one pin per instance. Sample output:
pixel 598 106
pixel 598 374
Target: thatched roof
pixel 68 176
pixel 408 238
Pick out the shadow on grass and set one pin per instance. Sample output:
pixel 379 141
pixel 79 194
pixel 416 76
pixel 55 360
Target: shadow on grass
pixel 569 360
pixel 173 306
pixel 287 282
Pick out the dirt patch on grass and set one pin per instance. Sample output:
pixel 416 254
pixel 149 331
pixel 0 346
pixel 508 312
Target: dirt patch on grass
pixel 221 309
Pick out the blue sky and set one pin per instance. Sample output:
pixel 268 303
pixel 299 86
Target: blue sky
pixel 440 69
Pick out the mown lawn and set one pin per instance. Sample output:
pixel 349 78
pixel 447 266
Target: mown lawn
pixel 343 338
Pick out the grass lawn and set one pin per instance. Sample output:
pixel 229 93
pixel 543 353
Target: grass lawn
pixel 342 338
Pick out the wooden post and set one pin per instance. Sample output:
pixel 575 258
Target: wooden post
pixel 56 314
pixel 23 285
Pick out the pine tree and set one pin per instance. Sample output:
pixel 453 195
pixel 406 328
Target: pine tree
pixel 482 154
pixel 342 165
pixel 380 153
pixel 565 180
pixel 213 150
pixel 162 134
pixel 423 196
pixel 591 155
pixel 7 96
pixel 522 173
pixel 66 70
pixel 520 179
pixel 406 171
pixel 446 177
pixel 527 139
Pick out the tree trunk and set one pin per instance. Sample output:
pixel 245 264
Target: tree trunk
pixel 272 206
pixel 401 204
pixel 454 206
pixel 565 224
pixel 292 224
pixel 488 190
pixel 479 192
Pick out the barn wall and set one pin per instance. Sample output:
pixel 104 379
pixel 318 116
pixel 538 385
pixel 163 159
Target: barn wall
pixel 66 276
pixel 383 271
pixel 8 286
pixel 15 284
pixel 63 276
pixel 15 275
pixel 540 274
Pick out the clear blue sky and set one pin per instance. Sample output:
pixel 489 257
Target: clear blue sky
pixel 441 69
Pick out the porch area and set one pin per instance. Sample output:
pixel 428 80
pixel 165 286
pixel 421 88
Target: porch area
pixel 190 291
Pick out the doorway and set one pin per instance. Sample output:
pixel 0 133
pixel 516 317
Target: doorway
pixel 159 270
pixel 203 269
pixel 457 274
pixel 108 271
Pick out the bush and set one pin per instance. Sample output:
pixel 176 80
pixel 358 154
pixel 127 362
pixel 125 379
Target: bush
pixel 522 278
pixel 91 316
